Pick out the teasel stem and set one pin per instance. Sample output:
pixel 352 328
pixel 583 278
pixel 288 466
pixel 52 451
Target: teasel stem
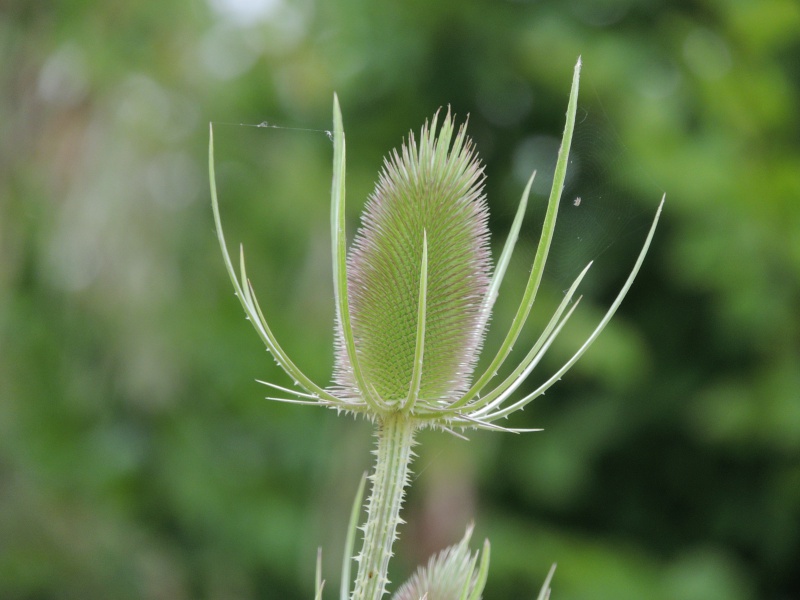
pixel 389 480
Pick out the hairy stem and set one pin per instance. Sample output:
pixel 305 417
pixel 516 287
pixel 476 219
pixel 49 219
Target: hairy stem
pixel 393 457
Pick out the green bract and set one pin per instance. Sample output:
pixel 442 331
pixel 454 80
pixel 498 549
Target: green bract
pixel 415 294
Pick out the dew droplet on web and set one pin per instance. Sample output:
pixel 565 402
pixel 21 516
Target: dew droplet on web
pixel 263 124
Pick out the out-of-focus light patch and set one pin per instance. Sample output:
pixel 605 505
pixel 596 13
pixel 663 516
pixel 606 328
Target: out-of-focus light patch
pixel 539 153
pixel 287 29
pixel 706 54
pixel 707 573
pixel 270 26
pixel 302 87
pixel 86 222
pixel 100 234
pixel 657 79
pixel 64 79
pixel 77 248
pixel 507 104
pixel 600 13
pixel 232 46
pixel 142 105
pixel 151 376
pixel 172 180
pixel 183 118
pixel 245 13
pixel 73 261
pixel 227 52
pixel 123 449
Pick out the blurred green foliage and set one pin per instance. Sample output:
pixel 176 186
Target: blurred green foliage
pixel 138 458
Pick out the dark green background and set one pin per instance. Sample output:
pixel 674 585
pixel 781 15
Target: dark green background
pixel 138 458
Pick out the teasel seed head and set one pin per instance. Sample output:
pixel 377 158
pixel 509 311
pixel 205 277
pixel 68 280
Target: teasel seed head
pixel 429 195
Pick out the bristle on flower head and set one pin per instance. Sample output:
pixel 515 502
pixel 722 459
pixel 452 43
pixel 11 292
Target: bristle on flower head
pixel 431 193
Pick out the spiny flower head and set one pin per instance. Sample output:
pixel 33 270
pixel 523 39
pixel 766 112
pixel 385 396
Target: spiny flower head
pixel 415 292
pixel 429 196
pixel 452 574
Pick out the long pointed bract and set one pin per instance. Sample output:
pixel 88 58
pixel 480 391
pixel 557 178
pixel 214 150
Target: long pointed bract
pixel 544 593
pixel 548 228
pixel 249 303
pixel 419 351
pixel 318 582
pixel 339 251
pixel 551 330
pixel 505 255
pixel 483 572
pixel 590 340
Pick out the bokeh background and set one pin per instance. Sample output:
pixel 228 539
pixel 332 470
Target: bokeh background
pixel 138 457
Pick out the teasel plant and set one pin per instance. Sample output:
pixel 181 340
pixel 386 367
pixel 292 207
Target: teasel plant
pixel 414 295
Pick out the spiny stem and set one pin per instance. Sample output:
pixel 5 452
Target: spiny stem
pixel 389 480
